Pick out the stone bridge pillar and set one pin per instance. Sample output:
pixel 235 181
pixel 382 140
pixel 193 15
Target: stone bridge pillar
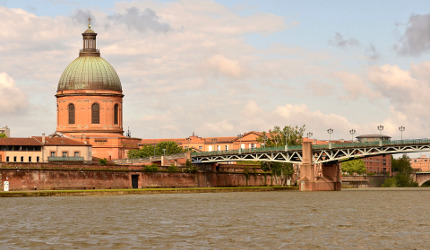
pixel 325 177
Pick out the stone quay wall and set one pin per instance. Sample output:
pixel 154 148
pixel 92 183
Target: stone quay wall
pixel 364 181
pixel 32 176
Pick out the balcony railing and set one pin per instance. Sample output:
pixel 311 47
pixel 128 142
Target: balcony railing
pixel 65 159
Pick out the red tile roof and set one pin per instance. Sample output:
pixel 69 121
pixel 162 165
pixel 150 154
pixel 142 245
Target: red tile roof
pixel 11 141
pixel 59 141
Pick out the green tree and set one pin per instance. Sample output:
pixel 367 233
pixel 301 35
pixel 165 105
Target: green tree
pixel 401 165
pixel 278 137
pixel 148 150
pixel 3 135
pixel 170 146
pixel 281 171
pixel 190 168
pixel 354 166
pixel 402 168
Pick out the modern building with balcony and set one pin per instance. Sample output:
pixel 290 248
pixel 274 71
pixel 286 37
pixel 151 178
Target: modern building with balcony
pixel 43 148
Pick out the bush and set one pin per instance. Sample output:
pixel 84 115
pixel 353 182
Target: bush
pixel 390 182
pixel 172 168
pixel 151 168
pixel 192 169
pixel 103 161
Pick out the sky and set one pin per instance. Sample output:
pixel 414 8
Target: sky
pixel 221 68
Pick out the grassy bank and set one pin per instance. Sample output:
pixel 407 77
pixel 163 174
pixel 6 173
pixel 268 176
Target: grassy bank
pixel 41 193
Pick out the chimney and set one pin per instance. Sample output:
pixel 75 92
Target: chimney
pixel 43 139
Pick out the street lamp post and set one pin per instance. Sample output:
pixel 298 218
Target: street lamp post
pixel 380 128
pixel 401 128
pixel 329 131
pixel 265 140
pixel 352 132
pixel 240 142
pixel 214 141
pixel 188 140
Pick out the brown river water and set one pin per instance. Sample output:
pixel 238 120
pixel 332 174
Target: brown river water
pixel 350 219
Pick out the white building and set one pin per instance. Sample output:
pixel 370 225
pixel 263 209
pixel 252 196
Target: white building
pixel 5 131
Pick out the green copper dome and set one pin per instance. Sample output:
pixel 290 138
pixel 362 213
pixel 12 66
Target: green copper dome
pixel 89 73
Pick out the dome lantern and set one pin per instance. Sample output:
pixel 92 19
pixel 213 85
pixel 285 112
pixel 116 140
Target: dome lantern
pixel 89 42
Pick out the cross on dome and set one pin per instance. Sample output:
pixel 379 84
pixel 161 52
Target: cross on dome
pixel 89 22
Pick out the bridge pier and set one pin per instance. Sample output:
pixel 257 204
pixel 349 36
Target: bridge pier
pixel 324 177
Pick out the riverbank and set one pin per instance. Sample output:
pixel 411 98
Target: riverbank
pixel 101 192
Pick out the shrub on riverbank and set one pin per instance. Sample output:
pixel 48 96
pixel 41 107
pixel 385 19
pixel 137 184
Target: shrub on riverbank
pixel 390 182
pixel 151 168
pixel 172 168
pixel 403 177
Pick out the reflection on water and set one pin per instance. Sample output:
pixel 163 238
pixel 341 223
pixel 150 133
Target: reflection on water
pixel 377 218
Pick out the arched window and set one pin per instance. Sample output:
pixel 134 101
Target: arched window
pixel 95 113
pixel 71 109
pixel 115 114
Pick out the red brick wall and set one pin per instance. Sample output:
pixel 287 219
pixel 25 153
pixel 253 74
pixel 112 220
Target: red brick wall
pixel 50 176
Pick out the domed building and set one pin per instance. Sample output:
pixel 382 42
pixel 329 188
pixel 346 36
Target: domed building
pixel 90 103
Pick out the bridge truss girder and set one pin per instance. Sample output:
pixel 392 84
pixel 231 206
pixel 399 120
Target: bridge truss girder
pixel 319 155
pixel 331 155
pixel 276 156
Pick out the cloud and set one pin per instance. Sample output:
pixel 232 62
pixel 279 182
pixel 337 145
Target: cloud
pixel 196 70
pixel 372 53
pixel 320 88
pixel 316 121
pixel 80 17
pixel 340 42
pixel 407 92
pixel 396 84
pixel 142 21
pixel 222 65
pixel 13 99
pixel 416 38
pixel 354 86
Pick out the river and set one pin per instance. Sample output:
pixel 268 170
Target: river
pixel 350 219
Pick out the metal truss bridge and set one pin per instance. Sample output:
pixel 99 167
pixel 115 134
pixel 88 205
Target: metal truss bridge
pixel 321 153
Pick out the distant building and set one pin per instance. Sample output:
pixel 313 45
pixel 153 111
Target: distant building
pixel 5 130
pixel 44 149
pixel 421 164
pixel 373 137
pixel 380 164
pixel 208 144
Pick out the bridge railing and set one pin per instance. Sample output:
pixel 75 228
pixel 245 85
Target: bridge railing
pixel 321 146
pixel 413 141
pixel 246 151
